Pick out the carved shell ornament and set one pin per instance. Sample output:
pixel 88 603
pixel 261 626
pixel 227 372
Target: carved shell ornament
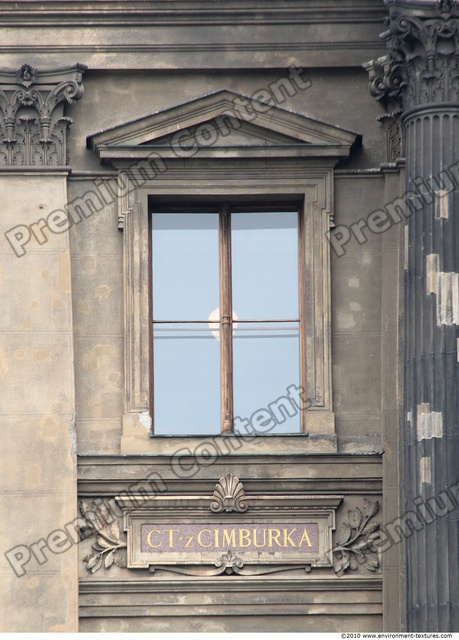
pixel 229 495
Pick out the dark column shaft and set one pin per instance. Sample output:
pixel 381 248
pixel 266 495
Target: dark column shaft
pixel 431 382
pixel 420 76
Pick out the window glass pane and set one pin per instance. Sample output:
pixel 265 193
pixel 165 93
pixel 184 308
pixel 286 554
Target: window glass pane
pixel 265 265
pixel 266 377
pixel 186 379
pixel 185 265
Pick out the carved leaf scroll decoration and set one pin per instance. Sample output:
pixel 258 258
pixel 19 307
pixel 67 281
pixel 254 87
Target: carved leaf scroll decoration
pixel 31 100
pixel 229 562
pixel 356 540
pixel 102 523
pixel 229 495
pixel 226 563
pixel 422 61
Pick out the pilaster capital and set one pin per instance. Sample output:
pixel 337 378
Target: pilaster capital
pixel 33 127
pixel 421 67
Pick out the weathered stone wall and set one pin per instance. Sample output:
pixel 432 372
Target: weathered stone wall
pixel 63 325
pixel 38 452
pixel 357 283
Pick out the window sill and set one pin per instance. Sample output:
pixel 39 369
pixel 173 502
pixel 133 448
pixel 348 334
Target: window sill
pixel 212 446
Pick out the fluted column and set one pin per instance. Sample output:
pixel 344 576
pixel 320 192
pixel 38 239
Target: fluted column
pixel 420 75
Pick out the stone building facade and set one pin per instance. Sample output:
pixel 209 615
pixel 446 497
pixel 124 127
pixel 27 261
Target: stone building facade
pixel 112 113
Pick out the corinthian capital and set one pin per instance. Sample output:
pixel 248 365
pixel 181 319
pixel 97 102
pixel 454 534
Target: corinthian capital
pixel 32 121
pixel 421 67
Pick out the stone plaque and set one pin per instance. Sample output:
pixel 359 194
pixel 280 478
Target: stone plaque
pixel 229 531
pixel 252 542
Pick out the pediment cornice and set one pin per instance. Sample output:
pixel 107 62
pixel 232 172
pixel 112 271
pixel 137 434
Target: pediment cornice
pixel 224 124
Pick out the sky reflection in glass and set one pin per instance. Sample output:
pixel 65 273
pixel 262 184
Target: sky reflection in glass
pixel 186 287
pixel 186 380
pixel 185 265
pixel 265 265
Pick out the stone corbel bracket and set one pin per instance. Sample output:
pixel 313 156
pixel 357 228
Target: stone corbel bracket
pixel 32 121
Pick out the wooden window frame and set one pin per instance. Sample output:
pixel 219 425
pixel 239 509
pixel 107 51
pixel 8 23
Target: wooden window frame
pixel 225 213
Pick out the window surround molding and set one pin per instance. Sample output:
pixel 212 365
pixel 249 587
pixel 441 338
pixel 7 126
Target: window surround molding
pixel 272 154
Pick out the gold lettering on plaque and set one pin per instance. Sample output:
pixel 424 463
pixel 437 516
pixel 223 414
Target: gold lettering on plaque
pixel 259 537
pixel 305 537
pixel 229 538
pixel 288 539
pixel 200 542
pixel 244 536
pixel 255 544
pixel 149 538
pixel 273 534
pixel 171 535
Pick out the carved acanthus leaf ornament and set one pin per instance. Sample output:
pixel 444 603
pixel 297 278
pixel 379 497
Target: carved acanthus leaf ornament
pixel 356 540
pixel 32 122
pixel 421 66
pixel 102 523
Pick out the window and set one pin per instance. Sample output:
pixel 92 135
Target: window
pixel 227 317
pixel 264 157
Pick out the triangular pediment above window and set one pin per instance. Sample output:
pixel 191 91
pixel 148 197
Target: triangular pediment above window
pixel 223 124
